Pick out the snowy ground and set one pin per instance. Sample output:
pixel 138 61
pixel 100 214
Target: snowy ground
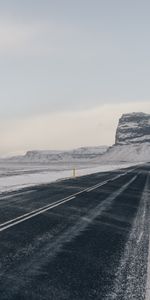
pixel 14 176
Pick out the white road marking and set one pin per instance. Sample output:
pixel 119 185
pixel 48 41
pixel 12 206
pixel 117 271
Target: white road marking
pixel 31 215
pixel 105 182
pixel 97 186
pixel 43 209
pixel 37 210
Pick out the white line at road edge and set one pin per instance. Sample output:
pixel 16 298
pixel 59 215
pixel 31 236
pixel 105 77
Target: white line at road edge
pixel 43 209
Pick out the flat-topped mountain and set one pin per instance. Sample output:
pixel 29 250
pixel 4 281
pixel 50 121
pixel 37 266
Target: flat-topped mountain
pixel 133 128
pixel 132 142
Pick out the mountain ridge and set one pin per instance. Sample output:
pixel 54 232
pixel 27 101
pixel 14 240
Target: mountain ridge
pixel 84 153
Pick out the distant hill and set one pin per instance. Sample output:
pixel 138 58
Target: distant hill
pixel 83 153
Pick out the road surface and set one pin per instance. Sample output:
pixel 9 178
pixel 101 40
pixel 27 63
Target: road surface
pixel 78 239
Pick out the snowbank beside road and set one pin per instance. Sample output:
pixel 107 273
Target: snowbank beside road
pixel 16 182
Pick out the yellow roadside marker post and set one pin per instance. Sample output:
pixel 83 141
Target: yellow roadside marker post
pixel 74 172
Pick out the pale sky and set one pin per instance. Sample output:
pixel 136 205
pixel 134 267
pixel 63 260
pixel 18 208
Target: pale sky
pixel 69 69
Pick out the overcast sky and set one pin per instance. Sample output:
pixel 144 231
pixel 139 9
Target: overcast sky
pixel 69 69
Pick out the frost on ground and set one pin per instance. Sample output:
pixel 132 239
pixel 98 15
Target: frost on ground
pixel 15 176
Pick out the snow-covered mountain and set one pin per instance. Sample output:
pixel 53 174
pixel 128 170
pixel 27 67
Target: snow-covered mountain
pixel 132 139
pixel 83 153
pixel 132 144
pixel 133 128
pixel 127 153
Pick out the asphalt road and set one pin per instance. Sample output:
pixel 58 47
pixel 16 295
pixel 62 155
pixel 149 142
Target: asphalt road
pixel 78 239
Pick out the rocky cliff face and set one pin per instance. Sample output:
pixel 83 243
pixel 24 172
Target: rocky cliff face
pixel 132 140
pixel 133 128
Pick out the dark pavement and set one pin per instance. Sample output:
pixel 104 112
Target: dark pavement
pixel 77 239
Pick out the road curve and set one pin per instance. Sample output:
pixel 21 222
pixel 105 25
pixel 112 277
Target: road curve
pixel 79 239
